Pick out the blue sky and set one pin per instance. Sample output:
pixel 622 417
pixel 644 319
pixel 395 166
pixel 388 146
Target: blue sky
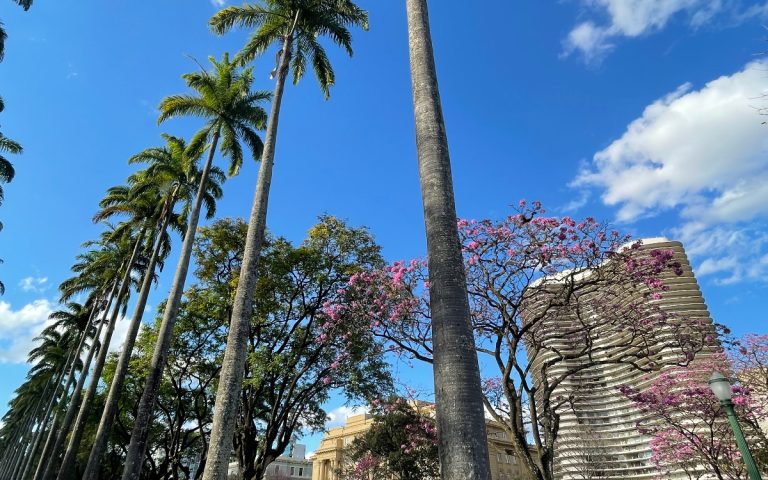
pixel 643 112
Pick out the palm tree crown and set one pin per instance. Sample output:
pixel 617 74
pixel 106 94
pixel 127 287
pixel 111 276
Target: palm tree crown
pixel 303 21
pixel 173 171
pixel 224 98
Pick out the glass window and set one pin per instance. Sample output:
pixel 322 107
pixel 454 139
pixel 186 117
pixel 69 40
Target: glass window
pixel 301 471
pixel 293 471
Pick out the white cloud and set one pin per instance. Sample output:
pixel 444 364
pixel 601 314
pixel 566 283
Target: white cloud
pixel 18 328
pixel 218 3
pixel 118 336
pixel 589 39
pixel 634 18
pixel 34 284
pixel 577 203
pixel 338 416
pixel 702 154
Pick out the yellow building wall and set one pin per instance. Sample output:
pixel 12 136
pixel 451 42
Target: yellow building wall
pixel 326 460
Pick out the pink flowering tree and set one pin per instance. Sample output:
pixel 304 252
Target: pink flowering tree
pixel 688 428
pixel 400 445
pixel 545 292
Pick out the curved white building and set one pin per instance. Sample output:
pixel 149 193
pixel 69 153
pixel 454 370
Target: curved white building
pixel 598 436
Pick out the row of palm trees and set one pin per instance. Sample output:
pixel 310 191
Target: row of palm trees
pixel 126 255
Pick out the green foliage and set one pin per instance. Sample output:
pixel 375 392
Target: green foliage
pixel 185 397
pixel 301 21
pixel 400 445
pixel 172 170
pixel 289 372
pixel 219 252
pixel 222 97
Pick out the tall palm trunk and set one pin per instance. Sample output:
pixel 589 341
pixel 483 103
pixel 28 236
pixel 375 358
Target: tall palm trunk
pixel 57 432
pixel 68 462
pixel 233 365
pixel 70 377
pixel 462 441
pixel 110 408
pixel 135 456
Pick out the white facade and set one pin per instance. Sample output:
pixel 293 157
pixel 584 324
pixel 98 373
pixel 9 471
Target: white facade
pixel 598 435
pixel 294 466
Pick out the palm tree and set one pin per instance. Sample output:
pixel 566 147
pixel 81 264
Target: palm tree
pixel 460 418
pixel 233 113
pixel 176 176
pixel 295 26
pixel 25 4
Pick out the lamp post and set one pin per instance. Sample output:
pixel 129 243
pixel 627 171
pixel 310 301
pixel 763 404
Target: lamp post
pixel 721 387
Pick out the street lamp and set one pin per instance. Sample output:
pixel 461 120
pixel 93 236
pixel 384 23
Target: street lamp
pixel 721 387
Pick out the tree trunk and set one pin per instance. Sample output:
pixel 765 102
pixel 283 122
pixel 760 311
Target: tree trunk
pixel 233 365
pixel 135 456
pixel 462 441
pixel 51 441
pixel 110 407
pixel 66 470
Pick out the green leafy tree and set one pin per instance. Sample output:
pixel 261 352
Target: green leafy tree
pixel 233 114
pixel 296 26
pixel 6 167
pixel 181 424
pixel 297 352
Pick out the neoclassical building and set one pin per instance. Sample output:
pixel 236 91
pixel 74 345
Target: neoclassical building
pixel 328 457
